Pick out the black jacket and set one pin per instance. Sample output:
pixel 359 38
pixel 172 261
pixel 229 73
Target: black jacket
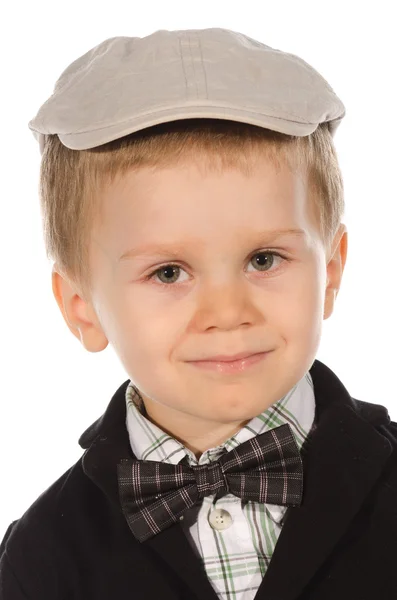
pixel 74 543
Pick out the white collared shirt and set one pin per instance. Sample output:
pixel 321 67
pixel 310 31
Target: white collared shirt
pixel 234 539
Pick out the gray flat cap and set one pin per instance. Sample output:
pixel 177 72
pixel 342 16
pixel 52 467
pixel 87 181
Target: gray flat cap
pixel 125 84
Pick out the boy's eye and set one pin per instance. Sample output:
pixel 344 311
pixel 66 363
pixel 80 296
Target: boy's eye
pixel 171 270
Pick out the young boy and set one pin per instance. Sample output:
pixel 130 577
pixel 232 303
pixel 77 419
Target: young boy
pixel 231 464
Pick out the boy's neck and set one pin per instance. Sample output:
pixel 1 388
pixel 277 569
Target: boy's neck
pixel 211 436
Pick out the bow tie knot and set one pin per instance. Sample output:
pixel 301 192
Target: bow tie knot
pixel 210 479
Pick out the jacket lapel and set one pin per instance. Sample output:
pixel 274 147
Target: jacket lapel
pixel 107 444
pixel 343 457
pixel 173 547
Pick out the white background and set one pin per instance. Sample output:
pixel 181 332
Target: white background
pixel 51 388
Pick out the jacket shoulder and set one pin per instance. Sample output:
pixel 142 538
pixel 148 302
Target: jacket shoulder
pixel 378 416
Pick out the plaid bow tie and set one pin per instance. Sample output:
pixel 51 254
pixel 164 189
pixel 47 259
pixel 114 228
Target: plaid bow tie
pixel 266 468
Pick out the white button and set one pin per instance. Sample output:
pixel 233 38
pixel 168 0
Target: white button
pixel 220 519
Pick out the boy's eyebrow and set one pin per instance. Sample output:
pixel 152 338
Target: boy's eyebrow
pixel 176 250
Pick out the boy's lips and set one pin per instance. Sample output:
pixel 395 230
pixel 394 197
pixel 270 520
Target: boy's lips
pixel 230 366
pixel 229 358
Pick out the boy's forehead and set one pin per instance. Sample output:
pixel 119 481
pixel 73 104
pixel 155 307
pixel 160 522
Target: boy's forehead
pixel 171 206
pixel 145 184
pixel 186 183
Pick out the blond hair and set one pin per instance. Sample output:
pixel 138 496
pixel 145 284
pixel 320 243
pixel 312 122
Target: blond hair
pixel 71 180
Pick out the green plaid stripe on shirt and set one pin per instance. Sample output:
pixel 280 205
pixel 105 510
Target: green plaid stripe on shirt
pixel 235 559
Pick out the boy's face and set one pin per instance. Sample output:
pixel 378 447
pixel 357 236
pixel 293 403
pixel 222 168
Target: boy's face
pixel 221 299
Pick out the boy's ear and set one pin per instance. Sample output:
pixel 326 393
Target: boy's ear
pixel 335 268
pixel 79 315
